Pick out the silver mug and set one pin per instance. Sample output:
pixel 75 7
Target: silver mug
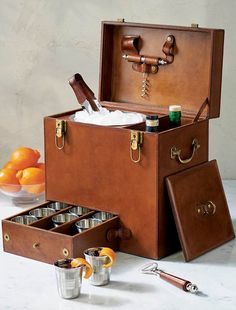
pixel 102 216
pixel 69 279
pixel 79 210
pixel 57 206
pixel 63 218
pixel 24 219
pixel 41 212
pixel 85 224
pixel 100 275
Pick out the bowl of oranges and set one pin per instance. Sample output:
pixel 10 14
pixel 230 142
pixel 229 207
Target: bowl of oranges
pixel 23 177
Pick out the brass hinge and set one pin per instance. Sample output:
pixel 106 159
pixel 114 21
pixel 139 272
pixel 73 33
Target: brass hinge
pixel 194 25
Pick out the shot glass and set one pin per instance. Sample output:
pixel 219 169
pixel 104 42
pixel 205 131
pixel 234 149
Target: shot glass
pixel 63 218
pixel 85 224
pixel 102 216
pixel 57 206
pixel 24 219
pixel 69 280
pixel 42 212
pixel 100 275
pixel 79 210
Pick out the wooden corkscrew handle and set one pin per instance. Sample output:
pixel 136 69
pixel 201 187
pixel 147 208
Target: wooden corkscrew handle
pixel 176 281
pixel 183 284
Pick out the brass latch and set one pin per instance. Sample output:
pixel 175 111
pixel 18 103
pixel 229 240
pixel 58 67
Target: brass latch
pixel 136 142
pixel 60 133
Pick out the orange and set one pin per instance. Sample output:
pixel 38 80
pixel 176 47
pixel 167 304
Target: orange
pixel 110 254
pixel 77 262
pixel 40 166
pixel 9 181
pixel 9 165
pixel 24 157
pixel 32 179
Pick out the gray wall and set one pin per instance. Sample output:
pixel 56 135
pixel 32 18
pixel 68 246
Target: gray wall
pixel 44 42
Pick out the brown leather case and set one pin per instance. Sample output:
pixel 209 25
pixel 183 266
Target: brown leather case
pixel 200 209
pixel 94 168
pixel 97 167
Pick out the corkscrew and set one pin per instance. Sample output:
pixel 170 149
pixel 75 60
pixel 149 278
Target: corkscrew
pixel 185 285
pixel 145 86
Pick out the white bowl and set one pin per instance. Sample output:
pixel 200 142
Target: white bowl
pixel 23 194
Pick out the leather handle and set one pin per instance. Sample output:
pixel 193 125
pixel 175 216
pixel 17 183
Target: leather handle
pixel 88 92
pixel 176 281
pixel 82 90
pixel 77 88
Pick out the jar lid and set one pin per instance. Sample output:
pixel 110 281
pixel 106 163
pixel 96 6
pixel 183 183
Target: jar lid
pixel 175 108
pixel 152 117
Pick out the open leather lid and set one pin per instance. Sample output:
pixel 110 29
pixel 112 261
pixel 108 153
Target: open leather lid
pixel 193 76
pixel 200 209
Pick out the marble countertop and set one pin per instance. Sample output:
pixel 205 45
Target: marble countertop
pixel 31 285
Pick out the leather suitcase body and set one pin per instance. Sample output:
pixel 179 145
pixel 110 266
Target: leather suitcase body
pixel 122 170
pixel 94 168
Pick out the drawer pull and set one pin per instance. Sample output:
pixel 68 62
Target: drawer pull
pixel 36 245
pixel 207 209
pixel 122 233
pixel 174 152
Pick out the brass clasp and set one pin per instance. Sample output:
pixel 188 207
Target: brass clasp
pixel 136 142
pixel 60 134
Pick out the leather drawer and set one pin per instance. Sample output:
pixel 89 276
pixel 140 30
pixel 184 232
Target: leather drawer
pixel 41 241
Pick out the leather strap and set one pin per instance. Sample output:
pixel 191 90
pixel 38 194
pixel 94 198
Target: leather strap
pixel 130 44
pixel 202 108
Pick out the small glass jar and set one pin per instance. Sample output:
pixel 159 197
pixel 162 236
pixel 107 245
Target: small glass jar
pixel 175 115
pixel 152 123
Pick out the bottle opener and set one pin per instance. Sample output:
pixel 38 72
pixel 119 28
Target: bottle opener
pixel 185 285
